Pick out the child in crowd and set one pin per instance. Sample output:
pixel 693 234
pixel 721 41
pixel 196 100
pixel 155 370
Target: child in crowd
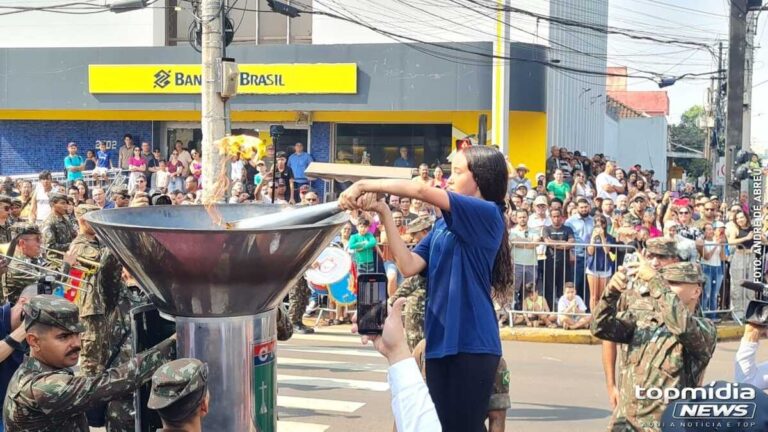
pixel 571 303
pixel 362 246
pixel 162 177
pixel 535 303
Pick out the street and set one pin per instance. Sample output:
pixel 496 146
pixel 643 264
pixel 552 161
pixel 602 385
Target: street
pixel 330 382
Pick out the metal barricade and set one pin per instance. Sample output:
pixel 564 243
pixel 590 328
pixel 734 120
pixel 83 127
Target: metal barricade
pixel 547 268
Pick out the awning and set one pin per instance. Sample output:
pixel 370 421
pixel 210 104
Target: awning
pixel 342 172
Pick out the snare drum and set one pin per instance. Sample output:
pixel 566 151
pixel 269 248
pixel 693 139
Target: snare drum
pixel 332 266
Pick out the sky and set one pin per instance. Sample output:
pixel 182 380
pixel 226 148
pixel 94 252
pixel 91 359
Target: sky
pixel 704 21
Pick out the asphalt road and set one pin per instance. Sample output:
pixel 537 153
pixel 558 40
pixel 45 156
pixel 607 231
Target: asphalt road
pixel 329 382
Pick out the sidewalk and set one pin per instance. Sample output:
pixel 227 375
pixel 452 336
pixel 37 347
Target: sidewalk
pixel 725 332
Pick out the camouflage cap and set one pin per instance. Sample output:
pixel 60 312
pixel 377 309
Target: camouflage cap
pixel 6 199
pixel 23 228
pixel 53 311
pixel 82 209
pixel 176 379
pixel 662 246
pixel 56 197
pixel 684 272
pixel 17 202
pixel 419 224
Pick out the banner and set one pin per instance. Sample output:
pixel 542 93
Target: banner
pixel 269 79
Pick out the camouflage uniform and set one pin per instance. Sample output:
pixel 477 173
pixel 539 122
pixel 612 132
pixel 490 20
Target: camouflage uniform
pixel 632 219
pixel 664 344
pixel 22 271
pixel 58 231
pixel 284 327
pixel 176 380
pixel 105 313
pixel 41 398
pixel 298 299
pixel 5 228
pixel 414 289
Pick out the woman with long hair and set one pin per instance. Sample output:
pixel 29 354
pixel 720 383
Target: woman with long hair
pixel 599 262
pixel 649 221
pixel 137 165
pixel 466 257
pixel 740 239
pixel 439 180
pixel 582 187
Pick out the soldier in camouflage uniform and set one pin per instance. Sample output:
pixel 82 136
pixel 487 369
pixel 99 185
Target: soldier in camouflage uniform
pixel 44 395
pixel 414 288
pixel 499 403
pixel 636 210
pixel 180 394
pixel 58 231
pixel 6 220
pixel 298 299
pixel 105 313
pixel 666 341
pixel 24 270
pixel 284 327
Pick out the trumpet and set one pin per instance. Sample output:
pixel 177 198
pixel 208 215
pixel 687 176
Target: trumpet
pixel 39 271
pixel 88 266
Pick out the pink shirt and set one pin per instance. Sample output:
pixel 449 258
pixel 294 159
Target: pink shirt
pixel 137 162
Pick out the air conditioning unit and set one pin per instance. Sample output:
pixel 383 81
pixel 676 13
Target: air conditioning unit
pixel 230 78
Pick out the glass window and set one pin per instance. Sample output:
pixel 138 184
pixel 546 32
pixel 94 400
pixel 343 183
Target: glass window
pixel 380 143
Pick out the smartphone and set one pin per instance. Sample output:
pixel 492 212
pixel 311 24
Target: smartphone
pixel 371 303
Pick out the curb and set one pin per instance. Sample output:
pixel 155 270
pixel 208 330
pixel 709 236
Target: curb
pixel 584 337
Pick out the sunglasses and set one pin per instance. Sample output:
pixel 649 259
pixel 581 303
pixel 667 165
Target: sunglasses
pixel 683 212
pixel 311 199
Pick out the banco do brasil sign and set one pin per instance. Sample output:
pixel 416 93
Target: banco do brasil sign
pixel 319 78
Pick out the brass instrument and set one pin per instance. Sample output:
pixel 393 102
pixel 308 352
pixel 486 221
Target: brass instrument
pixel 88 265
pixel 4 248
pixel 40 271
pixel 118 181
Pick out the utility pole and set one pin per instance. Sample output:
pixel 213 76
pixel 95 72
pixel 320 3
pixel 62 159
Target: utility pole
pixel 501 68
pixel 749 55
pixel 735 117
pixel 213 107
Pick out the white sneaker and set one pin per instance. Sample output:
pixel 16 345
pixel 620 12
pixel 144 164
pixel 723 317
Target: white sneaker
pixel 311 308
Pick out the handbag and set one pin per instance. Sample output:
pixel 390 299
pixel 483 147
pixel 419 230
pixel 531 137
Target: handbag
pixel 97 413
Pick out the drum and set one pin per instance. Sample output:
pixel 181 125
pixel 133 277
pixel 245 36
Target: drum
pixel 344 292
pixel 330 267
pixel 319 289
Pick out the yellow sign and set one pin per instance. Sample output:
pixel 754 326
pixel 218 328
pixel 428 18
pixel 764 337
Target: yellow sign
pixel 320 78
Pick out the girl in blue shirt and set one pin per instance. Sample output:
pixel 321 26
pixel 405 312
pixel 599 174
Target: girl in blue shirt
pixel 465 257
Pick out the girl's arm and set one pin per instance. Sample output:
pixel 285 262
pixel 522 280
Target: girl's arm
pixel 409 263
pixel 401 188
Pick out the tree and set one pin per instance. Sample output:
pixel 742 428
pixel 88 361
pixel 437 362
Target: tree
pixel 687 133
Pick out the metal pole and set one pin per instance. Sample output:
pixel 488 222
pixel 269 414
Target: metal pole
pixel 735 117
pixel 213 118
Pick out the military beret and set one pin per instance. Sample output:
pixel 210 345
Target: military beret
pixel 82 209
pixel 53 311
pixel 176 379
pixel 684 272
pixel 56 197
pixel 419 224
pixel 662 246
pixel 6 199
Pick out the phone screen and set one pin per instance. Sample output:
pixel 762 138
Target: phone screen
pixel 371 303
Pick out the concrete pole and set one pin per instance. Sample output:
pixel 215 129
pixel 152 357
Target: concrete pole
pixel 500 107
pixel 735 114
pixel 213 113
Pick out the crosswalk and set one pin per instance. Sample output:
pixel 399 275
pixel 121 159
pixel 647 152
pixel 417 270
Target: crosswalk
pixel 325 379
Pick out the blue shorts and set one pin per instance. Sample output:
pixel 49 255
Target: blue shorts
pixel 390 267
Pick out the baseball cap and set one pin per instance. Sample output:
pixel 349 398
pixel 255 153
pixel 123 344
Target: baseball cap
pixel 175 380
pixel 53 311
pixel 541 199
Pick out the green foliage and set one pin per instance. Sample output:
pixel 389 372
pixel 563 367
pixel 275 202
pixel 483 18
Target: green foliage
pixel 688 133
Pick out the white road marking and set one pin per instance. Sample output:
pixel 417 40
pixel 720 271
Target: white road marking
pixel 289 426
pixel 329 350
pixel 353 339
pixel 314 404
pixel 334 383
pixel 330 364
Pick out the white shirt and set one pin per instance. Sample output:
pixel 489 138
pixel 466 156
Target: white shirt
pixel 747 369
pixel 236 173
pixel 563 304
pixel 535 223
pixel 43 204
pixel 714 247
pixel 606 179
pixel 412 406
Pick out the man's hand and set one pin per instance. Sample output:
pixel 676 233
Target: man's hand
pixel 618 282
pixel 753 332
pixel 391 344
pixel 291 201
pixel 613 396
pixel 70 257
pixel 140 199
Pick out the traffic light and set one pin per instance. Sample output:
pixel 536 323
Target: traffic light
pixel 741 169
pixel 283 9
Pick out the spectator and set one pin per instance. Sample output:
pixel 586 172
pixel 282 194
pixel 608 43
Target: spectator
pixel 708 215
pixel 137 165
pixel 184 156
pixel 191 186
pixel 73 164
pixel 405 209
pixel 686 247
pixel 520 179
pixel 284 175
pixel 298 163
pixel 582 187
pixel 566 165
pixel 175 173
pixel 557 188
pixel 126 152
pixel 362 246
pixel 522 242
pixel 153 166
pixel 636 210
pixel 649 223
pixel 607 185
pixel 100 197
pixel 196 166
pixel 439 181
pixel 599 264
pixel 582 225
pixel 536 224
pixel 558 267
pixel 552 161
pixel 622 203
pixel 571 303
pixel 41 206
pixel 103 161
pixel 423 176
pixel 403 161
pixel 712 257
pixel 83 194
pixel 90 160
pixel 747 370
pixel 162 177
pixel 608 209
pixel 740 239
pixel 535 303
pixel 686 227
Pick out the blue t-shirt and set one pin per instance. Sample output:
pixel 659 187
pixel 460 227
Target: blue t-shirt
pixel 102 159
pixel 298 164
pixel 9 365
pixel 402 163
pixel 73 161
pixel 460 252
